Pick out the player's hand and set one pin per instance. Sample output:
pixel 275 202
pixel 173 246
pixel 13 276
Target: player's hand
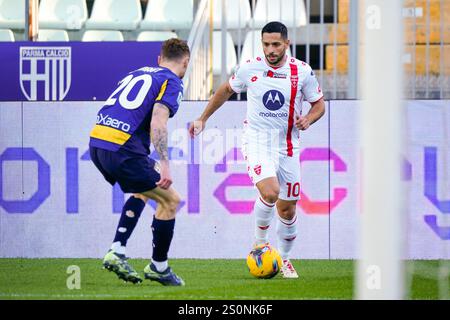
pixel 196 127
pixel 302 123
pixel 166 179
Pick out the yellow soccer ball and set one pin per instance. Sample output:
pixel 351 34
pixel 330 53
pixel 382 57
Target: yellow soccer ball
pixel 264 261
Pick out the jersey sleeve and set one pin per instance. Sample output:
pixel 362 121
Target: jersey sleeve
pixel 311 88
pixel 170 95
pixel 238 79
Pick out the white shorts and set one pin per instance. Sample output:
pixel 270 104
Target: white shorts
pixel 262 164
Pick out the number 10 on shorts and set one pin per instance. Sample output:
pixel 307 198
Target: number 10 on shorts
pixel 293 189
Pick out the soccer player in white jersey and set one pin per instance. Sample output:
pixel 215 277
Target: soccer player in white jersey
pixel 276 84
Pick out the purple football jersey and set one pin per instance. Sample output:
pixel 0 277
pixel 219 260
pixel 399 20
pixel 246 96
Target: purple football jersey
pixel 123 123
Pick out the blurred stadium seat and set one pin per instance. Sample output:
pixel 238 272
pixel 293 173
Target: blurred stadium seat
pixel 253 47
pixel 115 15
pixel 325 46
pixel 12 14
pixel 415 31
pixel 419 54
pixel 6 35
pixel 231 59
pixel 277 10
pixel 168 15
pixel 156 35
pixel 415 19
pixel 102 35
pixel 234 8
pixel 52 35
pixel 62 14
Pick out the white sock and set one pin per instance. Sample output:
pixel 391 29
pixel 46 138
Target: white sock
pixel 117 247
pixel 286 232
pixel 161 265
pixel 263 212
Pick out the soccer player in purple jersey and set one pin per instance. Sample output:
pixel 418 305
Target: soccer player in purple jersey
pixel 135 113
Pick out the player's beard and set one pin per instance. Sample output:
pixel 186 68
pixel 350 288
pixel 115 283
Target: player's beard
pixel 277 61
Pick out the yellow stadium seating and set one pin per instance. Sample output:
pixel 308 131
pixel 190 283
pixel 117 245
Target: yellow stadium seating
pixel 419 7
pixel 434 59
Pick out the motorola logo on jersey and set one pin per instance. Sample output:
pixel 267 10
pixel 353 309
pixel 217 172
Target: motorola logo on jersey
pixel 273 115
pixel 45 72
pixel 273 100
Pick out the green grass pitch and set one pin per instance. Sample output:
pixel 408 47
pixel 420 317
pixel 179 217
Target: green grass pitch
pixel 205 279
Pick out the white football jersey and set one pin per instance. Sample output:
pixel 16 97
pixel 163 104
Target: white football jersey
pixel 274 96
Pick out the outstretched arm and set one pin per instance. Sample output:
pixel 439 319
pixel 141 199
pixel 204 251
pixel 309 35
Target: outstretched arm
pixel 159 137
pixel 223 93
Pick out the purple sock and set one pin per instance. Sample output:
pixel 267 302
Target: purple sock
pixel 130 215
pixel 162 237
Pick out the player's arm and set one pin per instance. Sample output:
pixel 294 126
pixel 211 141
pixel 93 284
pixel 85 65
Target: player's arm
pixel 315 113
pixel 312 93
pixel 159 137
pixel 223 93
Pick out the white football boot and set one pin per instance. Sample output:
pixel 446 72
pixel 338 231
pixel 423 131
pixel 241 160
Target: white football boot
pixel 288 271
